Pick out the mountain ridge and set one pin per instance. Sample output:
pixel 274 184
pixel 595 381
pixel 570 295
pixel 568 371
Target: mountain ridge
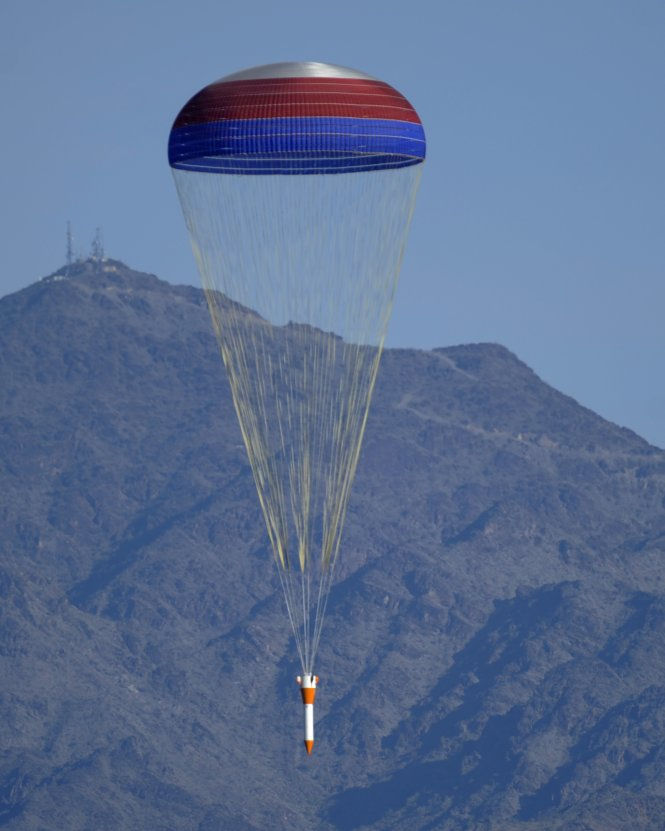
pixel 492 653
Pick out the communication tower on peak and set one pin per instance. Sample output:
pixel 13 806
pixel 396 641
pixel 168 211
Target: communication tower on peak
pixel 69 250
pixel 70 244
pixel 97 250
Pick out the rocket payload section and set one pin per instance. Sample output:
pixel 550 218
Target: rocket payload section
pixel 308 691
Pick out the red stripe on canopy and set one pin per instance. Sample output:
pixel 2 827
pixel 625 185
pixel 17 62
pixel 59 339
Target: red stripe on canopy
pixel 296 97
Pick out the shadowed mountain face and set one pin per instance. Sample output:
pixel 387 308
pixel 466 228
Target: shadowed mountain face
pixel 493 652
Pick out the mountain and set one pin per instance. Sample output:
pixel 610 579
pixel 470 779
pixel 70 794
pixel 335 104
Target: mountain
pixel 493 652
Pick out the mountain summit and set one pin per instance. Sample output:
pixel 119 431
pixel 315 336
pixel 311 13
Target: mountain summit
pixel 501 593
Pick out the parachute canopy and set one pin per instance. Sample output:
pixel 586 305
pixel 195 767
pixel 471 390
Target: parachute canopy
pixel 300 273
pixel 296 118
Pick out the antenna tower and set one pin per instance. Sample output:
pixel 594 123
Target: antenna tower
pixel 97 251
pixel 69 253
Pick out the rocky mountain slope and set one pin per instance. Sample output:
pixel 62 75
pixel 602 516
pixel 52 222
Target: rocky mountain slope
pixel 493 653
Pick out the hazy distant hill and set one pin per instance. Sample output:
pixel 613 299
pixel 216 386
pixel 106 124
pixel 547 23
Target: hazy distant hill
pixel 494 653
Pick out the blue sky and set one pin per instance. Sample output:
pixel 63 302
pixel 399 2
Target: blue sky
pixel 541 218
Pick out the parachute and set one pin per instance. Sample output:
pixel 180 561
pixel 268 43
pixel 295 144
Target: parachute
pixel 297 182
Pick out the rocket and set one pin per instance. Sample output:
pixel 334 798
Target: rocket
pixel 308 691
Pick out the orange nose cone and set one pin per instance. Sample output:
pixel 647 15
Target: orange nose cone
pixel 309 744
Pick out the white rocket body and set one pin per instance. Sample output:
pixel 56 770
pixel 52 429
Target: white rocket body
pixel 308 691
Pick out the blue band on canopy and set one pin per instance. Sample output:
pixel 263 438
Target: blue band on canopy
pixel 296 145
